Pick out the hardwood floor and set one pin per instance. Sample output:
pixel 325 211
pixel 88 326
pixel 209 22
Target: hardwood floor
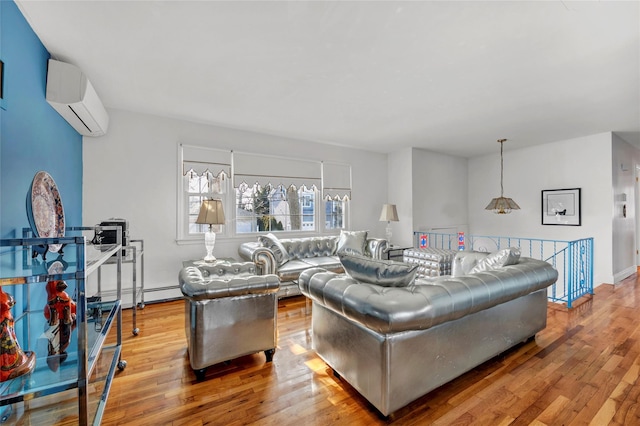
pixel 582 369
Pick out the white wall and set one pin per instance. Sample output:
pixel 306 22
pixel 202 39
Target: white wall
pixel 624 160
pixel 430 191
pixel 132 171
pixel 400 183
pixel 577 163
pixel 440 191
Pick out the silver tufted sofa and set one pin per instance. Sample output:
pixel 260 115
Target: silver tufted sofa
pixel 301 254
pixel 229 312
pixel 395 344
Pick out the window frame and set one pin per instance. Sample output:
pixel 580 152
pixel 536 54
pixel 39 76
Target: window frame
pixel 183 236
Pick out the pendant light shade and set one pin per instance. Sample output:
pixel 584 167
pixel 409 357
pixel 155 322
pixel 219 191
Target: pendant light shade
pixel 502 204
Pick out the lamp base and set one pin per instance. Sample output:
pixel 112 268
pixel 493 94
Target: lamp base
pixel 389 233
pixel 209 243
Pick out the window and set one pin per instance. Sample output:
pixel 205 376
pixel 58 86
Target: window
pixel 204 173
pixel 199 188
pixel 336 191
pixel 273 209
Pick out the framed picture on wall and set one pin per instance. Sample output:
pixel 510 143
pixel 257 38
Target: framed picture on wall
pixel 561 207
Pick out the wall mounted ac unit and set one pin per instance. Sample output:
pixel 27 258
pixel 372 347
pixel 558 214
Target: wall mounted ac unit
pixel 71 94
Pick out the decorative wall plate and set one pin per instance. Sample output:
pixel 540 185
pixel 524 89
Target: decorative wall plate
pixel 44 209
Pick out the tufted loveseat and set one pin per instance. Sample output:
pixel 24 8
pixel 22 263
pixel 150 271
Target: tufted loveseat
pixel 289 257
pixel 396 342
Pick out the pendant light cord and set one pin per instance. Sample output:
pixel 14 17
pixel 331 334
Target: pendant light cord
pixel 501 170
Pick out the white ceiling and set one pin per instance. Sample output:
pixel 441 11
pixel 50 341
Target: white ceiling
pixel 449 76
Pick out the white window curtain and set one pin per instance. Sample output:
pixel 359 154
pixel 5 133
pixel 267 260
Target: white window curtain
pixel 262 169
pixel 336 181
pixel 202 161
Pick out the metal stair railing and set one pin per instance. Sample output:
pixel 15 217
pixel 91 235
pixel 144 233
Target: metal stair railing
pixel 572 259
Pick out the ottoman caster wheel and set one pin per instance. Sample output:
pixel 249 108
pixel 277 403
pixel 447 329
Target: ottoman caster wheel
pixel 269 354
pixel 136 331
pixel 122 365
pixel 200 373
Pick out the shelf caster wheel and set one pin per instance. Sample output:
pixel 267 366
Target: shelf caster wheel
pixel 141 305
pixel 136 331
pixel 6 413
pixel 122 365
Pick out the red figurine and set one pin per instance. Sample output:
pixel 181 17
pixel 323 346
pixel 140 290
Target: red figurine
pixel 60 311
pixel 15 361
pixel 59 305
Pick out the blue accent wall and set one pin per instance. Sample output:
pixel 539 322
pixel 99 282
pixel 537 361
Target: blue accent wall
pixel 33 136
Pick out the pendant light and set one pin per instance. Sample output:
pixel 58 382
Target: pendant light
pixel 502 205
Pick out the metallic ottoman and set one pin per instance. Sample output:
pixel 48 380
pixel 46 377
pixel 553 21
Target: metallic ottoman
pixel 229 312
pixel 433 262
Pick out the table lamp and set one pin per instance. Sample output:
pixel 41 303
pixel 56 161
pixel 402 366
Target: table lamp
pixel 389 214
pixel 211 213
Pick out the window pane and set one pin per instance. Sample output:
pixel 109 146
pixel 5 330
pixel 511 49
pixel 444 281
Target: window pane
pixel 276 209
pixel 334 214
pixel 194 205
pixel 198 188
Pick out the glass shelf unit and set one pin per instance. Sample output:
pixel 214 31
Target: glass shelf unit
pixel 81 374
pixel 133 253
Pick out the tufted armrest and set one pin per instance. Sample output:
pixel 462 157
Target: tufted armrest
pixel 377 247
pixel 224 280
pixel 261 256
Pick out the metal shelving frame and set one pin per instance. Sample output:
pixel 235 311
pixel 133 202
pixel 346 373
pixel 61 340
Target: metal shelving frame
pixel 20 267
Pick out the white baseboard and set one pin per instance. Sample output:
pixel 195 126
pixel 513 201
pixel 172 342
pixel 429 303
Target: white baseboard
pixel 624 274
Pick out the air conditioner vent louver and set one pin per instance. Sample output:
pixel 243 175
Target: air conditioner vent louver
pixel 80 118
pixel 71 94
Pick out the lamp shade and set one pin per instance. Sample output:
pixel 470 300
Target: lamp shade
pixel 211 213
pixel 502 205
pixel 389 213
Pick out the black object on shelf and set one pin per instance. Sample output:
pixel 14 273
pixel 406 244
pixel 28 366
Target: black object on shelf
pixel 108 236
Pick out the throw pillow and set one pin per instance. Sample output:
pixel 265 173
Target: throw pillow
pixel 497 260
pixel 385 273
pixel 352 242
pixel 465 261
pixel 273 243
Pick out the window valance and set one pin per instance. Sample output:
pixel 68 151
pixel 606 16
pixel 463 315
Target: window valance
pixel 275 170
pixel 336 179
pixel 200 161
